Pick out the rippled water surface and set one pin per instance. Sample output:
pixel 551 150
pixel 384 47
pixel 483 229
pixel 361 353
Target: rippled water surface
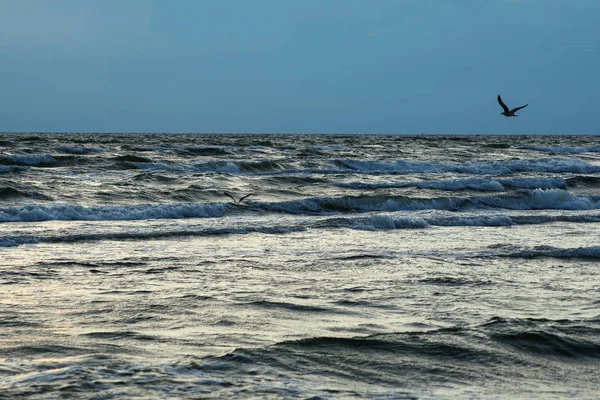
pixel 427 267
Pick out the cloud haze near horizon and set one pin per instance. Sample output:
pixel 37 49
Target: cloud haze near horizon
pixel 311 66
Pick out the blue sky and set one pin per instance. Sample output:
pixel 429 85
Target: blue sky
pixel 310 66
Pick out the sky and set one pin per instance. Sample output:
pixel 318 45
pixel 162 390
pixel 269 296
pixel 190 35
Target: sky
pixel 310 66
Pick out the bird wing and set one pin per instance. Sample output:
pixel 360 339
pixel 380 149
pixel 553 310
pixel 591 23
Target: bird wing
pixel 245 197
pixel 502 104
pixel 518 108
pixel 230 196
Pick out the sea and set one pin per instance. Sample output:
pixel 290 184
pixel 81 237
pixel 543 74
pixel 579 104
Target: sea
pixel 254 266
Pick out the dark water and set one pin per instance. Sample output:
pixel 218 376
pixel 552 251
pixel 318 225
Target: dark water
pixel 427 267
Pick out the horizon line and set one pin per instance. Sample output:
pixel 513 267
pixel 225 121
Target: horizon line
pixel 291 133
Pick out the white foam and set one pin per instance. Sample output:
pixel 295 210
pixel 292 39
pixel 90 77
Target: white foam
pixel 33 159
pixel 481 184
pixel 474 183
pixel 73 212
pixel 522 200
pixel 555 164
pixel 541 199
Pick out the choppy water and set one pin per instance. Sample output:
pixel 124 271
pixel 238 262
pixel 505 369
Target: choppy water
pixel 361 267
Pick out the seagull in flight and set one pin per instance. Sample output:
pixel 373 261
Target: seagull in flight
pixel 241 198
pixel 507 112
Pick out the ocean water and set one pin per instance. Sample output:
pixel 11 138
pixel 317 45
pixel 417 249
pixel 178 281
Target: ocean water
pixel 390 267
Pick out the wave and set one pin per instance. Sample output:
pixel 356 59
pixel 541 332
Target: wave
pixel 279 166
pixel 14 241
pixel 563 149
pixel 498 352
pixel 286 306
pixel 473 167
pixel 534 183
pixel 8 192
pixel 230 167
pixel 73 212
pixel 261 166
pixel 205 150
pixel 540 337
pixel 155 166
pixel 186 150
pixel 585 181
pixel 328 148
pixel 80 149
pixel 295 180
pixel 522 200
pixel 27 160
pixel 7 169
pixel 390 222
pixel 218 167
pixel 475 183
pixel 547 338
pixel 592 253
pixel 374 223
pixel 132 158
pixel 17 240
pixel 368 223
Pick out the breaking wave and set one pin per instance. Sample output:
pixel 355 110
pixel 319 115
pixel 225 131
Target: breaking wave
pixel 521 200
pixel 366 223
pixel 73 212
pixel 473 167
pixel 29 160
pixel 475 183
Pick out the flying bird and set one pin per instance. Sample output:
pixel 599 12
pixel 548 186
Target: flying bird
pixel 507 112
pixel 240 199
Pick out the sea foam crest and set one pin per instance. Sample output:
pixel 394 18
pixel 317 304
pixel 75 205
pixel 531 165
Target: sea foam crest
pixel 32 159
pixel 474 183
pixel 73 212
pixel 481 184
pixel 540 199
pixel 555 164
pixel 522 200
